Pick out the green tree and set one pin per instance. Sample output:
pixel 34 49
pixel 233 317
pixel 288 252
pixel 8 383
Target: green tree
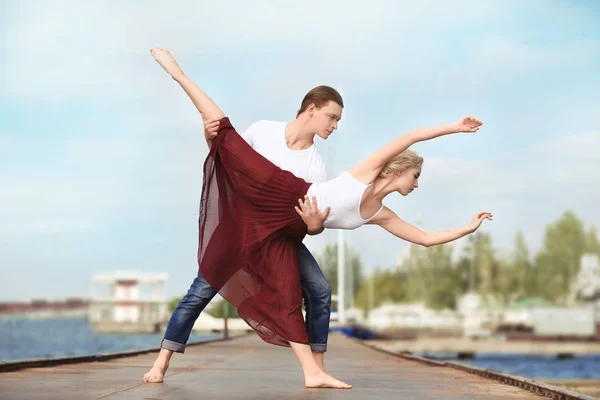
pixel 506 281
pixel 384 286
pixel 488 274
pixel 328 260
pixel 558 262
pixel 483 265
pixel 217 309
pixel 464 276
pixel 525 278
pixel 428 275
pixel 592 245
pixel 417 274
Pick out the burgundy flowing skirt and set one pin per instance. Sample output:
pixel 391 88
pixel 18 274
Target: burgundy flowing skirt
pixel 250 236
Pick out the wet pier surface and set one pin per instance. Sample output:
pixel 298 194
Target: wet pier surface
pixel 247 368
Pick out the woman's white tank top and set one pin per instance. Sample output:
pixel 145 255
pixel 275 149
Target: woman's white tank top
pixel 343 195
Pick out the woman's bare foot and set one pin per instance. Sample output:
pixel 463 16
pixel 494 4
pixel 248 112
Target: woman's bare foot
pixel 157 373
pixel 323 380
pixel 166 60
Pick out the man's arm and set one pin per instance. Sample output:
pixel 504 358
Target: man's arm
pixel 211 127
pixel 309 212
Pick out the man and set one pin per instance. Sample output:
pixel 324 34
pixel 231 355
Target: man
pixel 291 147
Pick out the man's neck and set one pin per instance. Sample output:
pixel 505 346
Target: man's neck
pixel 297 137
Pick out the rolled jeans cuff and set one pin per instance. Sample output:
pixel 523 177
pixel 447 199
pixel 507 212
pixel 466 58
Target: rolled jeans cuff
pixel 318 348
pixel 173 346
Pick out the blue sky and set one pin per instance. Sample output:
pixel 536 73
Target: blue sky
pixel 101 153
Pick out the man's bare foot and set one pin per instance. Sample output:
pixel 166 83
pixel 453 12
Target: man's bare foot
pixel 322 367
pixel 166 60
pixel 157 373
pixel 325 371
pixel 323 380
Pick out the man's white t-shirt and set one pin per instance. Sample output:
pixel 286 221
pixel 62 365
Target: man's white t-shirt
pixel 268 139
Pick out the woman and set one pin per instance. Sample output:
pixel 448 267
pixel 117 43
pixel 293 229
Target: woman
pixel 250 233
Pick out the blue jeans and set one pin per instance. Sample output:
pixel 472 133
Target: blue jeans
pixel 316 292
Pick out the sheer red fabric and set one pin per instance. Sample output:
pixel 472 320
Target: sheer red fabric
pixel 249 237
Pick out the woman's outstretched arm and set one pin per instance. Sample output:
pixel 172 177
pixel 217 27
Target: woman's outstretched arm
pixel 205 105
pixel 389 221
pixel 367 170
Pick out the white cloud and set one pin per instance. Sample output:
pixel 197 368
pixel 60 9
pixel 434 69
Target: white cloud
pixel 585 144
pixel 143 155
pixel 518 57
pixel 46 227
pixel 73 50
pixel 7 145
pixel 103 177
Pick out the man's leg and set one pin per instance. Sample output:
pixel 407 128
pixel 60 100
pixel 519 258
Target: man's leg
pixel 180 326
pixel 317 301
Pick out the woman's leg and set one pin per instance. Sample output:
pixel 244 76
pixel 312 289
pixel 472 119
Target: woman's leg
pixel 314 377
pixel 203 103
pixel 250 171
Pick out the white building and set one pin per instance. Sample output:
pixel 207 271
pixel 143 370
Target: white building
pixel 128 301
pixel 587 284
pixel 414 317
pixel 554 321
pixel 480 315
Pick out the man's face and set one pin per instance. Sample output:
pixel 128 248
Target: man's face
pixel 325 120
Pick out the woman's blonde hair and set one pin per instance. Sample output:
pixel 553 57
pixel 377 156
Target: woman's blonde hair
pixel 404 160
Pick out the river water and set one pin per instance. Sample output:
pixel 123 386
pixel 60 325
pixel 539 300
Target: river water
pixel 33 339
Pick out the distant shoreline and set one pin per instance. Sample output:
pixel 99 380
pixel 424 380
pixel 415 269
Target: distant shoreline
pixel 488 346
